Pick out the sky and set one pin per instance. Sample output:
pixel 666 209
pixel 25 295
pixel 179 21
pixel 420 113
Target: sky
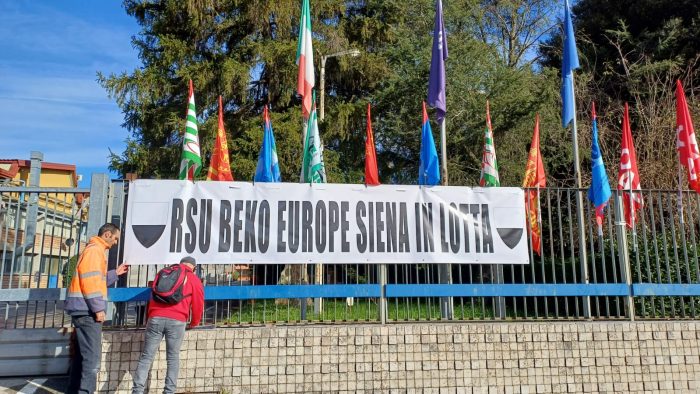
pixel 50 100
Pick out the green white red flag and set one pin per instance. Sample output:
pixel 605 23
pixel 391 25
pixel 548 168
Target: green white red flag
pixel 306 78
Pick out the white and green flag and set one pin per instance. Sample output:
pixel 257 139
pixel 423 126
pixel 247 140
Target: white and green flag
pixel 489 165
pixel 191 159
pixel 312 169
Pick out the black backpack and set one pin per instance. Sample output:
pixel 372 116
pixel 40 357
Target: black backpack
pixel 168 285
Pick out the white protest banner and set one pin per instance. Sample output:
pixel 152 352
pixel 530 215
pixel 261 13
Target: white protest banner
pixel 288 223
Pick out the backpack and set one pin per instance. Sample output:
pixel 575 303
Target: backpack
pixel 168 285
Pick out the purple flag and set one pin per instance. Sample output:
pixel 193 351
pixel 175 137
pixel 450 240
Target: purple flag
pixel 436 86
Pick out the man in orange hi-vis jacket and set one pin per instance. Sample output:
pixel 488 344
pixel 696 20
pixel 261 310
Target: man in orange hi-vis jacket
pixel 86 302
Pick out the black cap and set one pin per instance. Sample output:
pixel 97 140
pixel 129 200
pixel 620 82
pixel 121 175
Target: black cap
pixel 188 260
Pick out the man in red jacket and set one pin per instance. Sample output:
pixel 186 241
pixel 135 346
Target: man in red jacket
pixel 169 321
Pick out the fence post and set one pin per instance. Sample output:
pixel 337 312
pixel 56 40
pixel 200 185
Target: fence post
pixel 97 215
pixel 97 211
pixel 446 304
pixel 383 304
pixel 318 279
pixel 623 252
pixel 583 255
pixel 500 302
pixel 116 212
pixel 20 253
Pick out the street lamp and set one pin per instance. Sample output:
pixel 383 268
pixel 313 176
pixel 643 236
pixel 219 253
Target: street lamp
pixel 318 302
pixel 350 52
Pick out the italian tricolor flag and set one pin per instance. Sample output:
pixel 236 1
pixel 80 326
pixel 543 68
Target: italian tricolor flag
pixel 305 60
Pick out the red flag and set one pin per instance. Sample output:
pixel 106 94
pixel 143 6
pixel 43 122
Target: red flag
pixel 686 142
pixel 534 178
pixel 371 173
pixel 628 177
pixel 220 168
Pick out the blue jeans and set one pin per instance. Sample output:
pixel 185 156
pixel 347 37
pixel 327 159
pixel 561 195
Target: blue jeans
pixel 156 329
pixel 86 358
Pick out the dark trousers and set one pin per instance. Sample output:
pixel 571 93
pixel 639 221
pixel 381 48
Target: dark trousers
pixel 86 357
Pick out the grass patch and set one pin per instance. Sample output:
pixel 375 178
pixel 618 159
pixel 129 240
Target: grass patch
pixel 419 309
pixel 266 311
pixel 362 310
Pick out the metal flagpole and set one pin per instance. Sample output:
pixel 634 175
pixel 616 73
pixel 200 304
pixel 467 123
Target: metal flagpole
pixel 443 151
pixel 680 193
pixel 633 214
pixel 445 270
pixel 622 250
pixel 583 255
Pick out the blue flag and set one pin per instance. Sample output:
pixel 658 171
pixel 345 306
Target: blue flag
pixel 569 63
pixel 429 169
pixel 436 84
pixel 268 167
pixel 599 192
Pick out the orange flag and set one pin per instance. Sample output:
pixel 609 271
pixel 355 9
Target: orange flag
pixel 220 168
pixel 534 178
pixel 371 173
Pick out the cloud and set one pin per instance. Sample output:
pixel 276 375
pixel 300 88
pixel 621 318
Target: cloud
pixel 47 32
pixel 79 87
pixel 79 133
pixel 49 96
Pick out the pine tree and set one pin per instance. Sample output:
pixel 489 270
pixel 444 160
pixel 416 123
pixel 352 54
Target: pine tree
pixel 245 51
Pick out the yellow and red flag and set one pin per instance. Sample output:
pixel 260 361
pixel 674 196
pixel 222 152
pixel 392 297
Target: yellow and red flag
pixel 220 167
pixel 534 178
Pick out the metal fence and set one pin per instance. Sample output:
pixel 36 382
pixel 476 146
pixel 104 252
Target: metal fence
pixel 645 271
pixel 42 232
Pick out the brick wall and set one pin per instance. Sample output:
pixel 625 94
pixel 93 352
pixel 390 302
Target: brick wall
pixel 484 357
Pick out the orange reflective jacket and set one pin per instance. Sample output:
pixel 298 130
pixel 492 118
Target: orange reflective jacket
pixel 87 292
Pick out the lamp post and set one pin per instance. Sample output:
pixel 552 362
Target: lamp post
pixel 318 269
pixel 350 52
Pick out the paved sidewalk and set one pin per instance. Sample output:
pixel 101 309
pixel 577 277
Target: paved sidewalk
pixel 43 385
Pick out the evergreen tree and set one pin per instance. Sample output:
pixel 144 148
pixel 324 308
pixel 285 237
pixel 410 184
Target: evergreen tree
pixel 633 51
pixel 245 51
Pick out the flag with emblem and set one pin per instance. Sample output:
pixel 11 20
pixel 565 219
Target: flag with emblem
pixel 686 142
pixel 429 165
pixel 569 63
pixel 191 159
pixel 313 170
pixel 599 193
pixel 268 169
pixel 489 165
pixel 534 179
pixel 628 176
pixel 436 84
pixel 220 167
